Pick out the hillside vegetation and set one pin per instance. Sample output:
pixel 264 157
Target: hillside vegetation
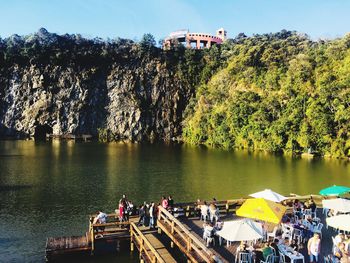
pixel 279 93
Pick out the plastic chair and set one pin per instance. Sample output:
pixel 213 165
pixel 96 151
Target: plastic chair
pixel 325 211
pixel 268 259
pixel 209 240
pixel 307 212
pixel 272 234
pixel 204 215
pixel 244 257
pixel 296 219
pixel 317 220
pixel 278 259
pixel 318 229
pixel 298 235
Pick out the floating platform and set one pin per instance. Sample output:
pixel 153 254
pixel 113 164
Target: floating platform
pixel 57 246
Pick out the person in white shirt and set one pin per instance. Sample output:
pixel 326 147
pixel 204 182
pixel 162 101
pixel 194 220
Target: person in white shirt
pixel 208 230
pixel 339 238
pixel 152 214
pixel 314 247
pixel 204 210
pixel 101 218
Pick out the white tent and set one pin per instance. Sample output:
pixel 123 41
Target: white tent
pixel 241 230
pixel 339 205
pixel 341 222
pixel 268 194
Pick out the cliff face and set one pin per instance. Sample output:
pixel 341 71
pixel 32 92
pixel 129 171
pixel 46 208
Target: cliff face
pixel 141 99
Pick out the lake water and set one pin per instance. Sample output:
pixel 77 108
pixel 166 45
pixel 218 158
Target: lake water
pixel 49 189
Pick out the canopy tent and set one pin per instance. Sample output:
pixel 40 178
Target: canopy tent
pixel 268 194
pixel 335 190
pixel 241 230
pixel 341 222
pixel 339 204
pixel 262 209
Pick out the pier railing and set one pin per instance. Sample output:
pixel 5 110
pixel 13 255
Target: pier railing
pixel 229 206
pixel 105 229
pixel 144 246
pixel 189 244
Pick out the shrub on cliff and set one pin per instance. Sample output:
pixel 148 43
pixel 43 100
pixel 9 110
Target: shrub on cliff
pixel 278 92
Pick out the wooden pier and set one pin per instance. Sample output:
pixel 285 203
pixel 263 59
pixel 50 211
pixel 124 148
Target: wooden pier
pixel 153 245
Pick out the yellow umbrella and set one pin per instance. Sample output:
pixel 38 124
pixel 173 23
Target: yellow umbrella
pixel 262 209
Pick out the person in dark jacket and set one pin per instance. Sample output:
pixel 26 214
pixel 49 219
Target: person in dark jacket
pixel 141 215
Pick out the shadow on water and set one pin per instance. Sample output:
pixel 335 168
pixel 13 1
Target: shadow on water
pixel 10 155
pixel 5 188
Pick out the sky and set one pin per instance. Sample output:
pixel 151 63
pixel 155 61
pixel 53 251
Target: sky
pixel 132 18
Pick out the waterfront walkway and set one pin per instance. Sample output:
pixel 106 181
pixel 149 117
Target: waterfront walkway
pixel 175 240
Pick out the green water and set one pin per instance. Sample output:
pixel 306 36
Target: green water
pixel 49 189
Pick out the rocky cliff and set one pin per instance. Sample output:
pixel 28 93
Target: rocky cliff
pixel 117 91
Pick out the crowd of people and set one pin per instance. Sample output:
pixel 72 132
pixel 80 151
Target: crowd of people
pixel 341 248
pixel 299 230
pixel 147 212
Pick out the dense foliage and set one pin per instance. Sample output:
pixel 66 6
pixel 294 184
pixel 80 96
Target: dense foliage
pixel 278 92
pixel 43 48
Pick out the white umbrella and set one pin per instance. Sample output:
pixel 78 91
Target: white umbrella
pixel 268 194
pixel 339 204
pixel 241 230
pixel 341 222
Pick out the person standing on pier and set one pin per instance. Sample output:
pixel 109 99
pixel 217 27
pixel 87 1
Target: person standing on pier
pixel 314 247
pixel 165 202
pixel 121 212
pixel 170 202
pixel 141 215
pixel 152 215
pixel 125 203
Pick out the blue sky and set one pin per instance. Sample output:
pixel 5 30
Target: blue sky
pixel 132 18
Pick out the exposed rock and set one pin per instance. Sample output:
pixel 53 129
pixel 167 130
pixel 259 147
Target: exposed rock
pixel 136 101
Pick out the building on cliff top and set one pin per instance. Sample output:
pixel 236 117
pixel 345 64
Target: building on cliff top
pixel 194 40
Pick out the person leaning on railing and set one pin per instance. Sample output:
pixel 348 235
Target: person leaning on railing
pixel 101 218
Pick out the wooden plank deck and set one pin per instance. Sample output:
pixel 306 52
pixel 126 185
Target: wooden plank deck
pixel 183 238
pixel 161 248
pixel 227 253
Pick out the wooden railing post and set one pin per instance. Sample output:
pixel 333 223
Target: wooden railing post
pixel 141 248
pixel 92 239
pixel 172 227
pixel 188 211
pixel 189 243
pixel 131 238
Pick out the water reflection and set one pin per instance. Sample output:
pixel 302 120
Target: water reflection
pixel 53 187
